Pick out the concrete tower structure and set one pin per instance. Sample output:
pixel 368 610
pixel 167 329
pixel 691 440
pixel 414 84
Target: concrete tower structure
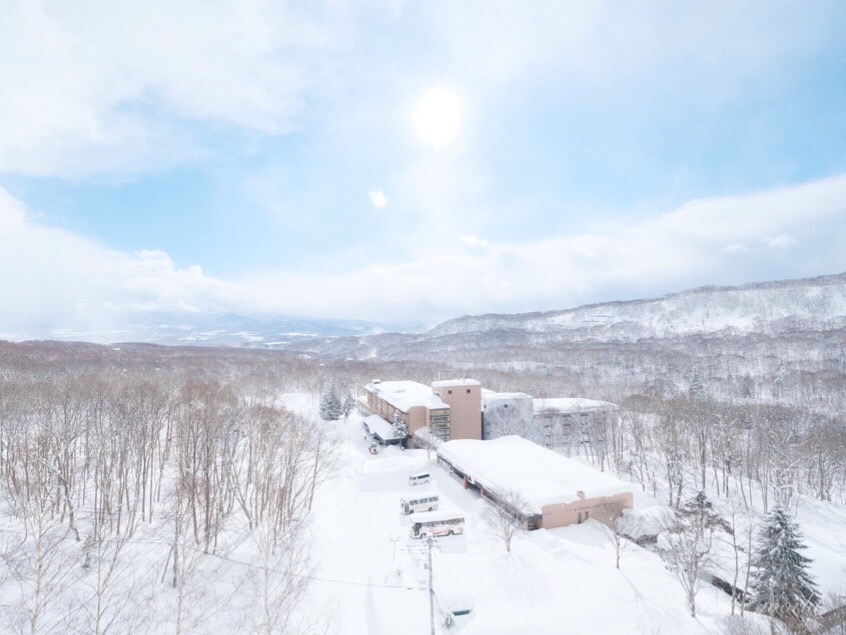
pixel 464 398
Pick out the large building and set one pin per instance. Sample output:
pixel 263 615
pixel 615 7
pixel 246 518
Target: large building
pixel 538 486
pixel 451 409
pixel 462 409
pixel 567 424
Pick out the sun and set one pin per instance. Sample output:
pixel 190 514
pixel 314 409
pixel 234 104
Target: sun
pixel 437 117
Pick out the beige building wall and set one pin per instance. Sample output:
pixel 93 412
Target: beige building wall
pixel 464 398
pixel 605 509
pixel 416 417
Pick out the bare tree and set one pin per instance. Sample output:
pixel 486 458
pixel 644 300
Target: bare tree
pixel 283 573
pixel 672 446
pixel 185 556
pixel 505 515
pixel 610 515
pixel 688 543
pixel 741 543
pixel 38 562
pixel 106 568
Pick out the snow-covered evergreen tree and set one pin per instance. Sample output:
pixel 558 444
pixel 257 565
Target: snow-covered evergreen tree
pixel 700 510
pixel 782 586
pixel 330 404
pixel 695 387
pixel 400 427
pixel 348 405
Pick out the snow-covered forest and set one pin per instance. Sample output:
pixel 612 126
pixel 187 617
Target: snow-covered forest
pixel 150 489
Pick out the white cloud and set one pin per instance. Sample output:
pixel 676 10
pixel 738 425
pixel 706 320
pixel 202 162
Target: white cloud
pixel 378 199
pixel 474 241
pixel 668 47
pixel 104 86
pixel 52 278
pixel 735 248
pixel 680 249
pixel 784 241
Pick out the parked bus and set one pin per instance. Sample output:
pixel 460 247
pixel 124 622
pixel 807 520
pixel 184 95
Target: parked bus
pixel 418 479
pixel 437 524
pixel 419 504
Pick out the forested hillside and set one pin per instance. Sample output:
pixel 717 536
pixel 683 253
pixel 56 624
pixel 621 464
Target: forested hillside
pixel 781 342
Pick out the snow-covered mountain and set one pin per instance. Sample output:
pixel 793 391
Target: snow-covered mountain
pixel 215 329
pixel 769 309
pixel 740 320
pixel 817 303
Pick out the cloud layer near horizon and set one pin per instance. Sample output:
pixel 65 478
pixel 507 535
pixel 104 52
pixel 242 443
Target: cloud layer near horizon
pixel 63 281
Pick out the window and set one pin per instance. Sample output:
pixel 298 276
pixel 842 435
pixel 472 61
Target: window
pixel 449 392
pixel 468 391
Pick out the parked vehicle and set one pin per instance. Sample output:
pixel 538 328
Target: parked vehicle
pixel 436 525
pixel 426 503
pixel 418 479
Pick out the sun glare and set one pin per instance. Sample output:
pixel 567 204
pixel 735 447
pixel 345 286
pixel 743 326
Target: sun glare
pixel 436 117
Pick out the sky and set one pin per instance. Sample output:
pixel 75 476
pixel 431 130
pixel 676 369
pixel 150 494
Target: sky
pixel 410 161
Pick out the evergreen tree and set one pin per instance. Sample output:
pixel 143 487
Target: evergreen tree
pixel 400 427
pixel 330 404
pixel 782 586
pixel 700 510
pixel 349 404
pixel 695 387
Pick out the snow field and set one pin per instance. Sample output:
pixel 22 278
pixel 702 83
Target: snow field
pixel 370 575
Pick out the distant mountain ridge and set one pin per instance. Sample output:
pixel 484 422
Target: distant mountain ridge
pixel 805 305
pixel 809 301
pixel 220 329
pixel 769 308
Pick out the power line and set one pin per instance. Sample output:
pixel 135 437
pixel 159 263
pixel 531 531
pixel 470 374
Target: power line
pixel 315 577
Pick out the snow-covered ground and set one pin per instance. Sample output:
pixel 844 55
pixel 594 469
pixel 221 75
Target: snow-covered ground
pixel 371 577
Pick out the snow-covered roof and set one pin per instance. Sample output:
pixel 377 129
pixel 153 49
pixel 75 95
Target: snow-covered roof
pixel 377 425
pixel 490 395
pixel 568 405
pixel 540 476
pixel 455 382
pixel 406 394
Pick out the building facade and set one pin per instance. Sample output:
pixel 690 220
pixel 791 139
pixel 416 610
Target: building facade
pixel 569 425
pixel 464 398
pixel 462 409
pixel 412 402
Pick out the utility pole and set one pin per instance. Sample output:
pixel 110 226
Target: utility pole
pixel 394 539
pixel 431 591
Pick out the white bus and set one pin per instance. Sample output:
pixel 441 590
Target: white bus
pixel 425 503
pixel 418 479
pixel 437 524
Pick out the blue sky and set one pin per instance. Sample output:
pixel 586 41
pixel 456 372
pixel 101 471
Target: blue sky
pixel 194 156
